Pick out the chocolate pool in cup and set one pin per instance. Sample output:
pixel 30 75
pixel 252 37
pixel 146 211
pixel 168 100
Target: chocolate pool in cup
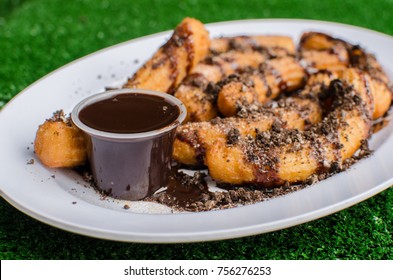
pixel 130 134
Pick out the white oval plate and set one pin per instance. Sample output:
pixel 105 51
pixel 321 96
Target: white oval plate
pixel 58 197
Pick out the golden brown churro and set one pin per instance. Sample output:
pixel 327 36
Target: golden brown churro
pixel 280 156
pixel 59 143
pixel 175 59
pixel 260 111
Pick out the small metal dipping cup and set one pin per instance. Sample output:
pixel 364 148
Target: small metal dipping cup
pixel 129 166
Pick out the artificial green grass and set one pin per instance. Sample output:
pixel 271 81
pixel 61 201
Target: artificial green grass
pixel 39 36
pixel 360 232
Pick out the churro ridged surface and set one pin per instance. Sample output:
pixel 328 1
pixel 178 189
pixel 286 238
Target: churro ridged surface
pixel 262 112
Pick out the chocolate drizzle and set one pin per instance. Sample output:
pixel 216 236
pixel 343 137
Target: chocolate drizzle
pixel 190 193
pixel 245 43
pixel 234 129
pixel 182 190
pixel 264 151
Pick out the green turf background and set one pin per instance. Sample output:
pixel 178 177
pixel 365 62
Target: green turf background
pixel 38 36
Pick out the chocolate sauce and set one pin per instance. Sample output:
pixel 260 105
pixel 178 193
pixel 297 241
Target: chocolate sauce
pixel 129 113
pixel 142 167
pixel 131 168
pixel 185 190
pixel 191 193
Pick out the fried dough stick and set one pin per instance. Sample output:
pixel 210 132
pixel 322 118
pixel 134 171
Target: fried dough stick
pixel 381 93
pixel 322 51
pixel 260 86
pixel 196 91
pixel 59 143
pixel 228 55
pixel 325 52
pixel 368 63
pixel 275 46
pixel 278 157
pixel 193 139
pixel 188 45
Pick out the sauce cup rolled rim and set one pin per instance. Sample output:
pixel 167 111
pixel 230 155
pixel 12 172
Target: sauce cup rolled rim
pixel 127 136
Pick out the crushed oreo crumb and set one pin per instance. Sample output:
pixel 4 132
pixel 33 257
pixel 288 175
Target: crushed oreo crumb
pixel 59 116
pixel 233 136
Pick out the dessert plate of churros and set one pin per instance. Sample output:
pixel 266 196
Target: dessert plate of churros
pixel 287 121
